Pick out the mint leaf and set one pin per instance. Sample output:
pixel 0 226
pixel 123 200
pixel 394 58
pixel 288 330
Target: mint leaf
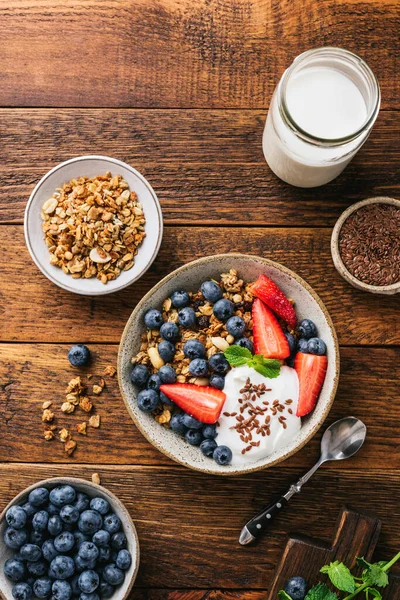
pixel 340 576
pixel 321 592
pixel 282 595
pixel 375 575
pixel 361 562
pixel 268 367
pixel 237 356
pixel 372 593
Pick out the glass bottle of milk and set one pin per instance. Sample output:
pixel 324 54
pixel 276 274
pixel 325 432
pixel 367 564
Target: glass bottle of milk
pixel 321 113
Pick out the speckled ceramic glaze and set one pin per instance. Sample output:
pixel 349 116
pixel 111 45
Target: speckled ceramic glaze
pixel 190 277
pixel 90 166
pixel 337 259
pixel 92 490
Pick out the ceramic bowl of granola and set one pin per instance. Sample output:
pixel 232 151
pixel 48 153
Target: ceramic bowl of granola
pixel 93 225
pixel 230 364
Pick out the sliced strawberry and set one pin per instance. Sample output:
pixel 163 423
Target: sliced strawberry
pixel 201 402
pixel 310 370
pixel 269 339
pixel 272 295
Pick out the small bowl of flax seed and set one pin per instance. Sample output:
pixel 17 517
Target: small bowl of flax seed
pixel 365 245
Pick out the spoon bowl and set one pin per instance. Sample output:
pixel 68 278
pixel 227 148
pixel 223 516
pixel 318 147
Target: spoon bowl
pixel 342 439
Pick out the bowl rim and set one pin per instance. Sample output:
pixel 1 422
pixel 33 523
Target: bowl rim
pixel 335 251
pixel 53 481
pixel 194 263
pixel 30 245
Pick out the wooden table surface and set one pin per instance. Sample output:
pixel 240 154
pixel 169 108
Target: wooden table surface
pixel 179 89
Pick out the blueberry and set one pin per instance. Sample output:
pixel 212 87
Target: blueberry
pixel 69 514
pixel 30 552
pixel 39 497
pixel 112 523
pixel 100 504
pixel 290 361
pixel 180 298
pixel 236 326
pixel 22 591
pixel 37 537
pixel 223 309
pixel 140 375
pixel 80 538
pixel 76 590
pixel 217 381
pixel 92 596
pixel 52 510
pixel 207 447
pixel 38 568
pixel 154 382
pixel 63 494
pixel 147 400
pixel 167 374
pixel 89 581
pixel 209 432
pixel 218 363
pixel 296 588
pixel 165 400
pixel 153 319
pixel 101 538
pixel 194 437
pixel 83 565
pixel 307 329
pixel 48 550
pixel 119 541
pixel 211 291
pixel 88 551
pixel 15 538
pixel 62 567
pixel 90 521
pixel 61 590
pixel 113 575
pixel 82 501
pixel 191 422
pixel 198 367
pixel 302 345
pixel 42 587
pixel 106 590
pixel 55 525
pixel 169 331
pixel 16 517
pixel 176 424
pixel 244 342
pixel 79 355
pixel 316 346
pixel 124 560
pixel 187 317
pixel 40 520
pixel 64 542
pixel 14 570
pixel 222 455
pixel 166 350
pixel 29 509
pixel 292 342
pixel 104 555
pixel 194 349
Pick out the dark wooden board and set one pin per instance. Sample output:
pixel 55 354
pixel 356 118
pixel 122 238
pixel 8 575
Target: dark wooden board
pixel 356 535
pixel 180 53
pixel 206 166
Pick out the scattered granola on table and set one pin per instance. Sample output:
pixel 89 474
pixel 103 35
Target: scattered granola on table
pixel 93 227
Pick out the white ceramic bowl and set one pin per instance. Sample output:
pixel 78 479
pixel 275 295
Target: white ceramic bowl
pixel 92 490
pixel 189 277
pixel 90 166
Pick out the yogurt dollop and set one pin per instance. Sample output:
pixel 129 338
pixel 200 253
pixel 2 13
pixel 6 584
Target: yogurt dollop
pixel 273 413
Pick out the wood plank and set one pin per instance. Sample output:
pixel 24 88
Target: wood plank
pixel 176 53
pixel 33 373
pixel 166 594
pixel 202 164
pixel 188 524
pixel 33 309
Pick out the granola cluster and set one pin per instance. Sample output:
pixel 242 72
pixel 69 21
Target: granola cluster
pixel 93 227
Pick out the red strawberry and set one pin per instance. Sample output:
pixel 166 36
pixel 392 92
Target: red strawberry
pixel 267 290
pixel 201 402
pixel 269 339
pixel 310 370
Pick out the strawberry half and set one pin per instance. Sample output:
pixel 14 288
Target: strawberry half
pixel 311 370
pixel 272 295
pixel 269 339
pixel 201 402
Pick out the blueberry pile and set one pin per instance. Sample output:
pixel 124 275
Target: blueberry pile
pixel 308 342
pixel 66 546
pixel 198 434
pixel 296 588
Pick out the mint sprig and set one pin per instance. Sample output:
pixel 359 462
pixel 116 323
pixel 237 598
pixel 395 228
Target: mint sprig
pixel 238 356
pixel 340 576
pixel 321 592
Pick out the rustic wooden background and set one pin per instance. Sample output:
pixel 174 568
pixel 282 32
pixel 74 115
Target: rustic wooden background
pixel 180 90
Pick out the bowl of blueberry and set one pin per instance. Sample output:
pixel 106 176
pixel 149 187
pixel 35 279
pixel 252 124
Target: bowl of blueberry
pixel 67 538
pixel 229 364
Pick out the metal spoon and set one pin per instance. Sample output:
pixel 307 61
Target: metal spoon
pixel 341 440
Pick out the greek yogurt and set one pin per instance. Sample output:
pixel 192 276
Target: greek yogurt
pixel 259 414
